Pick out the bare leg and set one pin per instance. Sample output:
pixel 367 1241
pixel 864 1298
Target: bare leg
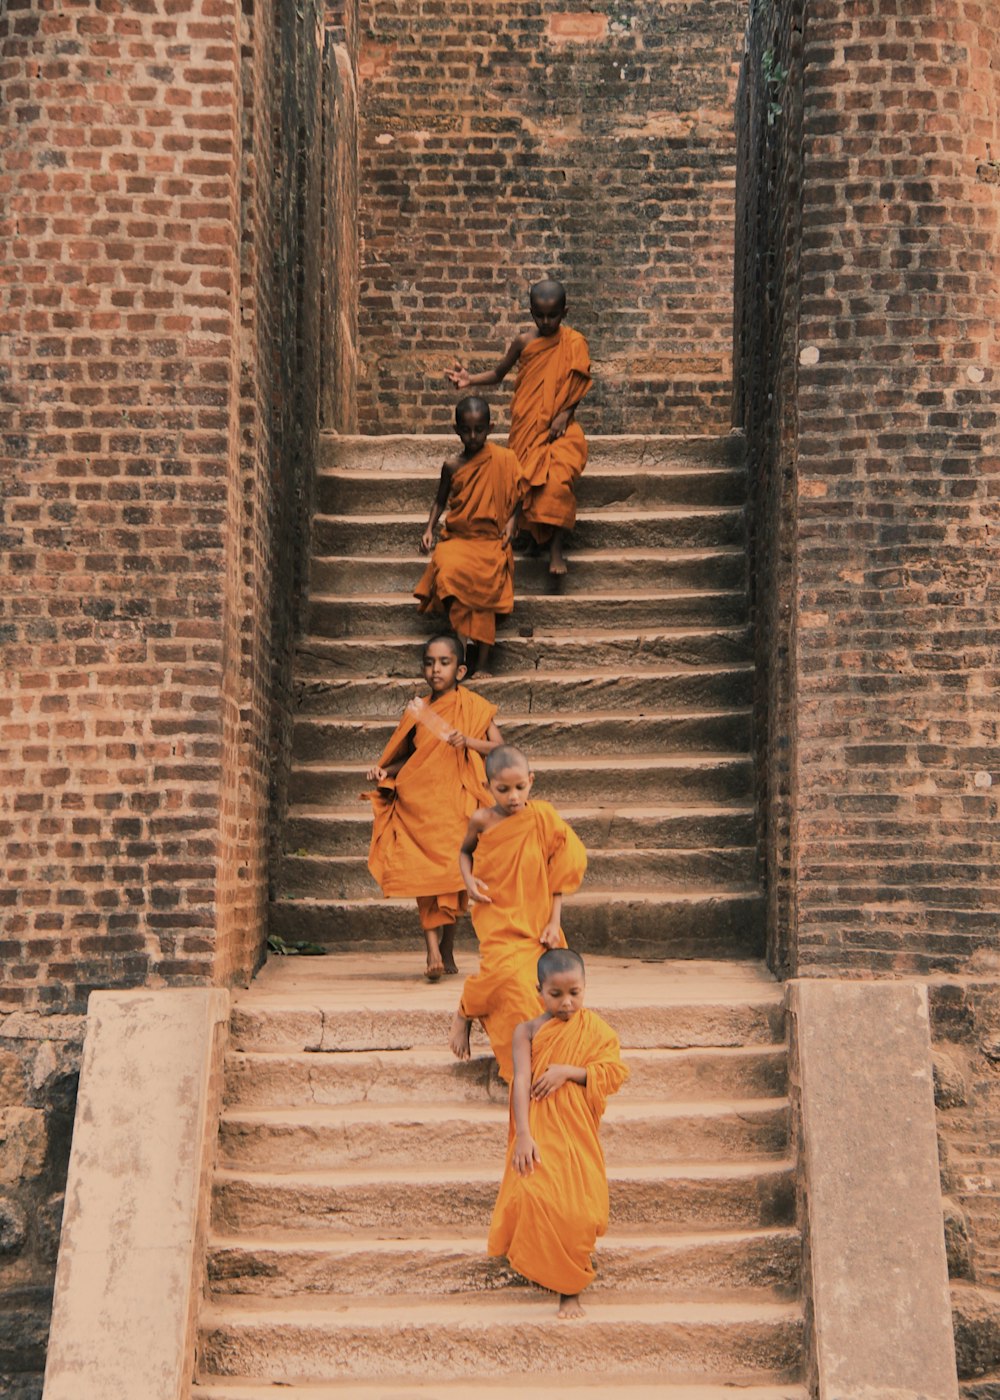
pixel 447 945
pixel 458 1041
pixel 483 655
pixel 557 562
pixel 435 965
pixel 570 1306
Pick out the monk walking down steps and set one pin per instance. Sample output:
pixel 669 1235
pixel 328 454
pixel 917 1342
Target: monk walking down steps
pixel 552 377
pixel 518 859
pixel 553 1200
pixel 430 780
pixel 471 573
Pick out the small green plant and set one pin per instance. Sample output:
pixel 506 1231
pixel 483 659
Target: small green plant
pixel 775 77
pixel 298 948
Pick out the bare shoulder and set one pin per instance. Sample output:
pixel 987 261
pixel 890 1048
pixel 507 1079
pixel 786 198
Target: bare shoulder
pixel 482 819
pixel 526 1030
pixel 450 465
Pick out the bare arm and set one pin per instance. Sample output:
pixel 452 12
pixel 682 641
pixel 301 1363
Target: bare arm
pixel 492 741
pixel 477 888
pixel 462 379
pixel 550 933
pixel 378 774
pixel 526 1152
pixel 440 501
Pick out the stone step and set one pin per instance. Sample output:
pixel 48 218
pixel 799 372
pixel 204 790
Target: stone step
pixel 347 877
pixel 721 618
pixel 669 1198
pixel 379 1001
pixel 634 1131
pixel 433 1075
pixel 338 831
pixel 758 1264
pixel 424 452
pixel 718 571
pixel 476 1390
pixel 320 690
pixel 327 1338
pixel 657 924
pixel 695 778
pixel 357 491
pixel 325 739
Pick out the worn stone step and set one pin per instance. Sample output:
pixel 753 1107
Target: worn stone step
pixel 719 571
pixel 397 616
pixel 643 778
pixel 357 491
pixel 326 687
pixel 326 739
pixel 562 1388
pixel 679 527
pixel 338 831
pixel 326 1338
pixel 758 1264
pixel 311 1138
pixel 379 1001
pixel 275 1080
pixel 670 923
pixel 622 451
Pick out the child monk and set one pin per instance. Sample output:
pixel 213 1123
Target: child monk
pixel 471 573
pixel 553 1200
pixel 552 377
pixel 526 858
pixel 430 780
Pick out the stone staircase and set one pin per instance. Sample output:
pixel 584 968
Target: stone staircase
pixel 359 1163
pixel 629 686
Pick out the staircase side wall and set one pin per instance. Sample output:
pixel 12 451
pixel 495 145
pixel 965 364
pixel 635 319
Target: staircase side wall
pixel 509 142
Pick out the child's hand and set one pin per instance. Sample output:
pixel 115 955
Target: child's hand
pixel 477 890
pixel 427 541
pixel 548 1082
pixel 456 739
pixel 526 1154
pixel 377 774
pixel 550 936
pixel 459 377
pixel 558 425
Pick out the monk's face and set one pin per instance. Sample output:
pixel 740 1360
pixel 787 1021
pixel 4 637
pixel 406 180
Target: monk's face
pixel 511 788
pixel 473 428
pixel 562 993
pixel 548 315
pixel 441 669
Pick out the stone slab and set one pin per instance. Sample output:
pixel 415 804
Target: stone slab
pixel 879 1279
pixel 131 1253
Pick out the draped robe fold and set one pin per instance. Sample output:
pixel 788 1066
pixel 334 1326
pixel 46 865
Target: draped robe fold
pixel 471 572
pixel 552 372
pixel 547 1223
pixel 524 860
pixel 421 816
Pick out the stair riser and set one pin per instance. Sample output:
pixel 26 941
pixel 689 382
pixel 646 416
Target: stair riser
pixel 402 452
pixel 696 928
pixel 688 529
pixel 256 1081
pixel 725 780
pixel 339 1145
pixel 760 1265
pixel 737 1351
pixel 310 1028
pixel 346 617
pixel 341 836
pixel 346 493
pixel 713 571
pixel 244 1205
pixel 326 693
pixel 349 741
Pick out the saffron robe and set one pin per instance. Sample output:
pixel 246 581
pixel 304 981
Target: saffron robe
pixel 524 860
pixel 553 370
pixel 471 572
pixel 421 815
pixel 547 1223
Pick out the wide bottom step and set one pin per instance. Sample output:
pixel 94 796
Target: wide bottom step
pixel 502 1390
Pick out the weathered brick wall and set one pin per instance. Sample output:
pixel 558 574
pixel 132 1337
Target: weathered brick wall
pixel 341 266
pixel 507 142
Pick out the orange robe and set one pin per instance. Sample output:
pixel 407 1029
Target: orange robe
pixel 471 572
pixel 524 860
pixel 547 1223
pixel 552 371
pixel 421 815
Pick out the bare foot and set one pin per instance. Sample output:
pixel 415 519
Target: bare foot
pixel 458 1041
pixel 570 1306
pixel 557 563
pixel 447 944
pixel 435 963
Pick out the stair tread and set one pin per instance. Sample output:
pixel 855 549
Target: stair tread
pixel 434 1113
pixel 471 1310
pixel 544 717
pixel 569 813
pixel 743 1169
pixel 623 1389
pixel 431 1056
pixel 696 759
pixel 598 514
pixel 324 1242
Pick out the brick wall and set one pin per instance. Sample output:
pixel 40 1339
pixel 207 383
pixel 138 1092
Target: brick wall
pixel 503 143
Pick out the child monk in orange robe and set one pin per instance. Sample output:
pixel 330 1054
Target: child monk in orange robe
pixel 553 1201
pixel 526 859
pixel 553 376
pixel 430 780
pixel 471 573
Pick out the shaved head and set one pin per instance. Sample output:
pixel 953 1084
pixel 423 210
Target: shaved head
pixel 451 641
pixel 556 960
pixel 504 757
pixel 548 293
pixel 472 406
